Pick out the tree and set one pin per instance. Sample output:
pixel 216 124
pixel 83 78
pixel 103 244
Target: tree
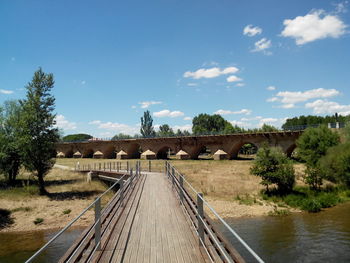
pixel 268 128
pixel 273 166
pixel 76 137
pixel 121 136
pixel 147 129
pixel 165 131
pixel 38 136
pixel 10 159
pixel 312 145
pixel 211 124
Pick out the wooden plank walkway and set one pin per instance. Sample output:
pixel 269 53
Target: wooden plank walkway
pixel 152 228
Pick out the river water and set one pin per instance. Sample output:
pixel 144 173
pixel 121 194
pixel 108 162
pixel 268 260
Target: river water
pixel 299 237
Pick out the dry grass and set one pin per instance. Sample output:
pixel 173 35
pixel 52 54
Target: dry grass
pixel 67 191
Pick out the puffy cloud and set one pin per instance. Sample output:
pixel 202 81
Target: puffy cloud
pixel 313 26
pixel 187 118
pixel 210 73
pixel 251 31
pixel 271 88
pixel 262 45
pixel 146 104
pixel 233 78
pixel 324 106
pixel 227 112
pixel 240 85
pixel 289 98
pixel 63 123
pixel 5 91
pixel 116 127
pixel 168 113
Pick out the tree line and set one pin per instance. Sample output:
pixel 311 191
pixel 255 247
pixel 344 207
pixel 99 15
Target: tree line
pixel 28 135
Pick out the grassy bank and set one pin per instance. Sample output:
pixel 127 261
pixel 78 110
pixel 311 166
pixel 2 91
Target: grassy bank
pixel 23 209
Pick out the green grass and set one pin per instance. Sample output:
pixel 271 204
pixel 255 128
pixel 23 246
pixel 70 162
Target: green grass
pixel 309 200
pixel 24 209
pixel 67 211
pixel 281 212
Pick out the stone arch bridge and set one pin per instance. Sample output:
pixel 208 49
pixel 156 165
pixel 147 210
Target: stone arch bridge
pixel 192 145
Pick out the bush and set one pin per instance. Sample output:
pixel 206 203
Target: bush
pixel 67 211
pixel 273 166
pixel 38 221
pixel 311 205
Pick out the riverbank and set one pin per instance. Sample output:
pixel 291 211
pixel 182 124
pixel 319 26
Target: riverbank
pixel 23 209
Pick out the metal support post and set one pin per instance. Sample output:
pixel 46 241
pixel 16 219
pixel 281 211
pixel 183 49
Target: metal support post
pixel 98 224
pixel 127 166
pixel 173 175
pixel 131 177
pixel 110 167
pixel 121 189
pixel 149 166
pixel 200 216
pixel 181 188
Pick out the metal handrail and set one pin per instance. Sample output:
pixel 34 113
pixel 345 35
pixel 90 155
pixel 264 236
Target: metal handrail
pixel 245 245
pixel 72 222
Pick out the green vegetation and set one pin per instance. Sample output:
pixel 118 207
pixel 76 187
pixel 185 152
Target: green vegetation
pixel 121 136
pixel 66 211
pixel 312 120
pixel 274 168
pixel 38 136
pixel 76 137
pixel 24 209
pixel 10 155
pixel 147 129
pixel 279 212
pixel 312 145
pixel 38 220
pixel 165 131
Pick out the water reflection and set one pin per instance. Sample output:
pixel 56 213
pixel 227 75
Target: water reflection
pixel 18 247
pixel 301 237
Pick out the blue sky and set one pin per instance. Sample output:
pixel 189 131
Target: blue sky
pixel 253 62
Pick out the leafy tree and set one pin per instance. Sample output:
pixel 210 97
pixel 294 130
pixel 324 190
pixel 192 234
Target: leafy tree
pixel 313 120
pixel 273 166
pixel 10 159
pixel 312 145
pixel 38 136
pixel 165 131
pixel 182 133
pixel 210 124
pixel 268 128
pixel 147 129
pixel 121 136
pixel 76 137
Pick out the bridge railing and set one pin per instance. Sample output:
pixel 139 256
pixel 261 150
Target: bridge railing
pixel 197 208
pixel 95 229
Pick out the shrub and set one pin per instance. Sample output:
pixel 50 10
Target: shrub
pixel 67 211
pixel 311 205
pixel 38 221
pixel 274 168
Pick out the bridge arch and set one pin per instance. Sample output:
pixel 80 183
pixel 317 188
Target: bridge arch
pixel 68 154
pixel 290 150
pixel 87 153
pixel 134 151
pixel 163 152
pixel 109 152
pixel 237 148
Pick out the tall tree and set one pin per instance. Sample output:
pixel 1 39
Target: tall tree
pixel 210 124
pixel 147 129
pixel 39 135
pixel 165 131
pixel 10 159
pixel 312 145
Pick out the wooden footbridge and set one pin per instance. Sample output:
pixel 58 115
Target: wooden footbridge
pixel 152 217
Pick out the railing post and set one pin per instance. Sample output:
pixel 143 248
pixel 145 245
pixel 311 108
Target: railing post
pixel 131 176
pixel 104 166
pixel 181 188
pixel 98 224
pixel 127 166
pixel 149 166
pixel 110 167
pixel 173 175
pixel 121 189
pixel 200 217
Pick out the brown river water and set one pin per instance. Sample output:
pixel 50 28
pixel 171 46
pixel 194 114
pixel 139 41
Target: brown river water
pixel 300 237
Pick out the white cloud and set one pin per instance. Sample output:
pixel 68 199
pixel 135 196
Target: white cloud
pixel 313 26
pixel 324 106
pixel 210 73
pixel 192 84
pixel 63 123
pixel 146 104
pixel 288 106
pixel 341 7
pixel 240 85
pixel 271 88
pixel 240 123
pixel 291 97
pixel 168 113
pixel 262 45
pixel 187 127
pixel 271 121
pixel 187 118
pixel 5 91
pixel 116 127
pixel 233 78
pixel 133 107
pixel 251 31
pixel 227 112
